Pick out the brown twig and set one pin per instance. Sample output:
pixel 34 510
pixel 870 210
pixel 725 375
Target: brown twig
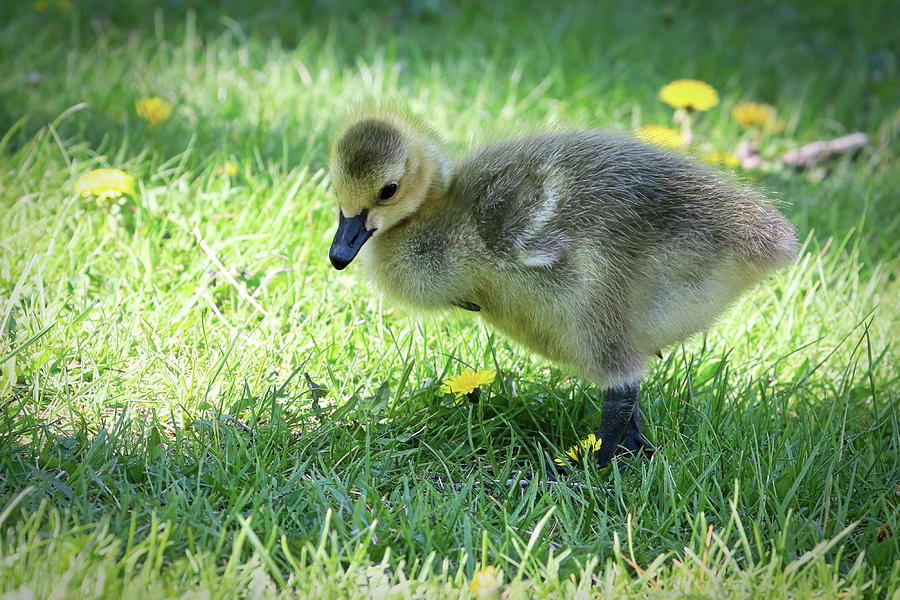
pixel 809 154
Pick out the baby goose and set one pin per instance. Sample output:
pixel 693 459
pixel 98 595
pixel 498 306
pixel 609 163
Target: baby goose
pixel 592 249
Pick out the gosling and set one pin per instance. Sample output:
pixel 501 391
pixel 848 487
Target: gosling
pixel 592 249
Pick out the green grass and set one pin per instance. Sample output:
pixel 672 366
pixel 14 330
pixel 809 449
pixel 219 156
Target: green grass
pixel 158 437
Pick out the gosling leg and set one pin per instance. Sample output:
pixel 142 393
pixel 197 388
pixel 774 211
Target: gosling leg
pixel 621 421
pixel 634 440
pixel 620 414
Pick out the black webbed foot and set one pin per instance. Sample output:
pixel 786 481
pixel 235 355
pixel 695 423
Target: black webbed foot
pixel 635 444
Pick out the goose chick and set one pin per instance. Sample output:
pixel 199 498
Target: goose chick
pixel 592 249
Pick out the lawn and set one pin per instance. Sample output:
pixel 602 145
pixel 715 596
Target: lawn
pixel 194 404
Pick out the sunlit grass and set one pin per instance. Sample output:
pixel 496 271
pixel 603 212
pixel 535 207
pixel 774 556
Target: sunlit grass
pixel 193 400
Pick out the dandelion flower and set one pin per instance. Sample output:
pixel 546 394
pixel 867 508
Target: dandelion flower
pixel 723 158
pixel 467 382
pixel 230 168
pixel 659 135
pixel 486 582
pixel 153 110
pixel 578 451
pixel 104 184
pixel 690 94
pixel 588 445
pixel 751 114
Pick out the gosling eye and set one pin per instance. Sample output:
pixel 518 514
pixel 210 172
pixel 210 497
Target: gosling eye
pixel 388 191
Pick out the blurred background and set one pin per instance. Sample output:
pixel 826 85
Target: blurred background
pixel 272 76
pixel 591 63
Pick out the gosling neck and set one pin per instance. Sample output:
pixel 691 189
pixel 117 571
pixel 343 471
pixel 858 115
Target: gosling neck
pixel 437 174
pixel 436 178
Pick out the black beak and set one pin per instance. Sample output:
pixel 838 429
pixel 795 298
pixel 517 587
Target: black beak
pixel 350 237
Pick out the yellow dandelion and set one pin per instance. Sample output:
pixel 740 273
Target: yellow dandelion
pixel 467 382
pixel 153 110
pixel 723 158
pixel 578 451
pixel 486 582
pixel 230 168
pixel 588 445
pixel 660 135
pixel 751 114
pixel 40 6
pixel 104 184
pixel 690 94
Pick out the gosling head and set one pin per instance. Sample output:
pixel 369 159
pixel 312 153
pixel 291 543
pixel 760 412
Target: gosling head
pixel 383 169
